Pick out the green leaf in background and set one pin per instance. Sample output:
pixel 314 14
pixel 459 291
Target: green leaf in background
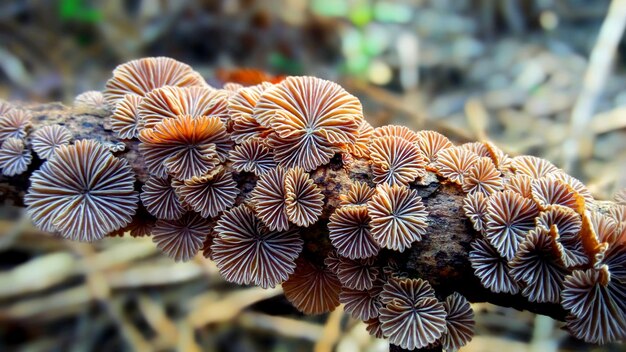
pixel 284 64
pixel 77 10
pixel 334 8
pixel 375 39
pixel 392 12
pixel 361 13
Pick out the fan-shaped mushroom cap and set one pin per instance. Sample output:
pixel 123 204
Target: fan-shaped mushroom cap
pixel 395 131
pixel 477 148
pixel 90 99
pixel 431 142
pixel 14 124
pixel 143 75
pixel 181 239
pixel 358 194
pixel 398 217
pixel 475 208
pixel 125 120
pixel 508 220
pixel 363 304
pixel 374 328
pixel 568 225
pixel 142 223
pixel 48 138
pixel 604 227
pixel 246 252
pixel 359 147
pixel 209 194
pixel 241 107
pixel 14 157
pixel 596 304
pixel 459 322
pixel 618 213
pixel 185 146
pixel 83 192
pixel 482 177
pixel 160 199
pixel 532 166
pixel 232 87
pixel 537 264
pixel 590 238
pixel 405 290
pixel 575 184
pixel 501 160
pixel 252 156
pixel 620 196
pixel 269 199
pixel 311 118
pixel 454 163
pixel 520 184
pixel 413 318
pixel 349 232
pixel 395 160
pixel 303 199
pixel 332 261
pixel 170 102
pixel 311 289
pixel 357 274
pixel 491 268
pixel 548 191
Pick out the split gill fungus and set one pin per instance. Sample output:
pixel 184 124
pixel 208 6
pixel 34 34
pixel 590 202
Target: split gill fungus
pixel 286 183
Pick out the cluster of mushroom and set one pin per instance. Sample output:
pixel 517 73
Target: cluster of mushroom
pixel 543 237
pixel 230 172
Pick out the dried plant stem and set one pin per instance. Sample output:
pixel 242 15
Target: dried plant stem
pixel 598 71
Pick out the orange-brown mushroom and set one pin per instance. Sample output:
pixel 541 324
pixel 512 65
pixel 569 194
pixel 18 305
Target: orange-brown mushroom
pixel 312 289
pixel 170 102
pixel 185 146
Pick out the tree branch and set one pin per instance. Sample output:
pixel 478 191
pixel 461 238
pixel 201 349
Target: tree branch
pixel 442 257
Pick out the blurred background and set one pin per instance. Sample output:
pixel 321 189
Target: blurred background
pixel 541 77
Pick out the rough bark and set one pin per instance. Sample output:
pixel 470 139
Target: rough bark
pixel 441 257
